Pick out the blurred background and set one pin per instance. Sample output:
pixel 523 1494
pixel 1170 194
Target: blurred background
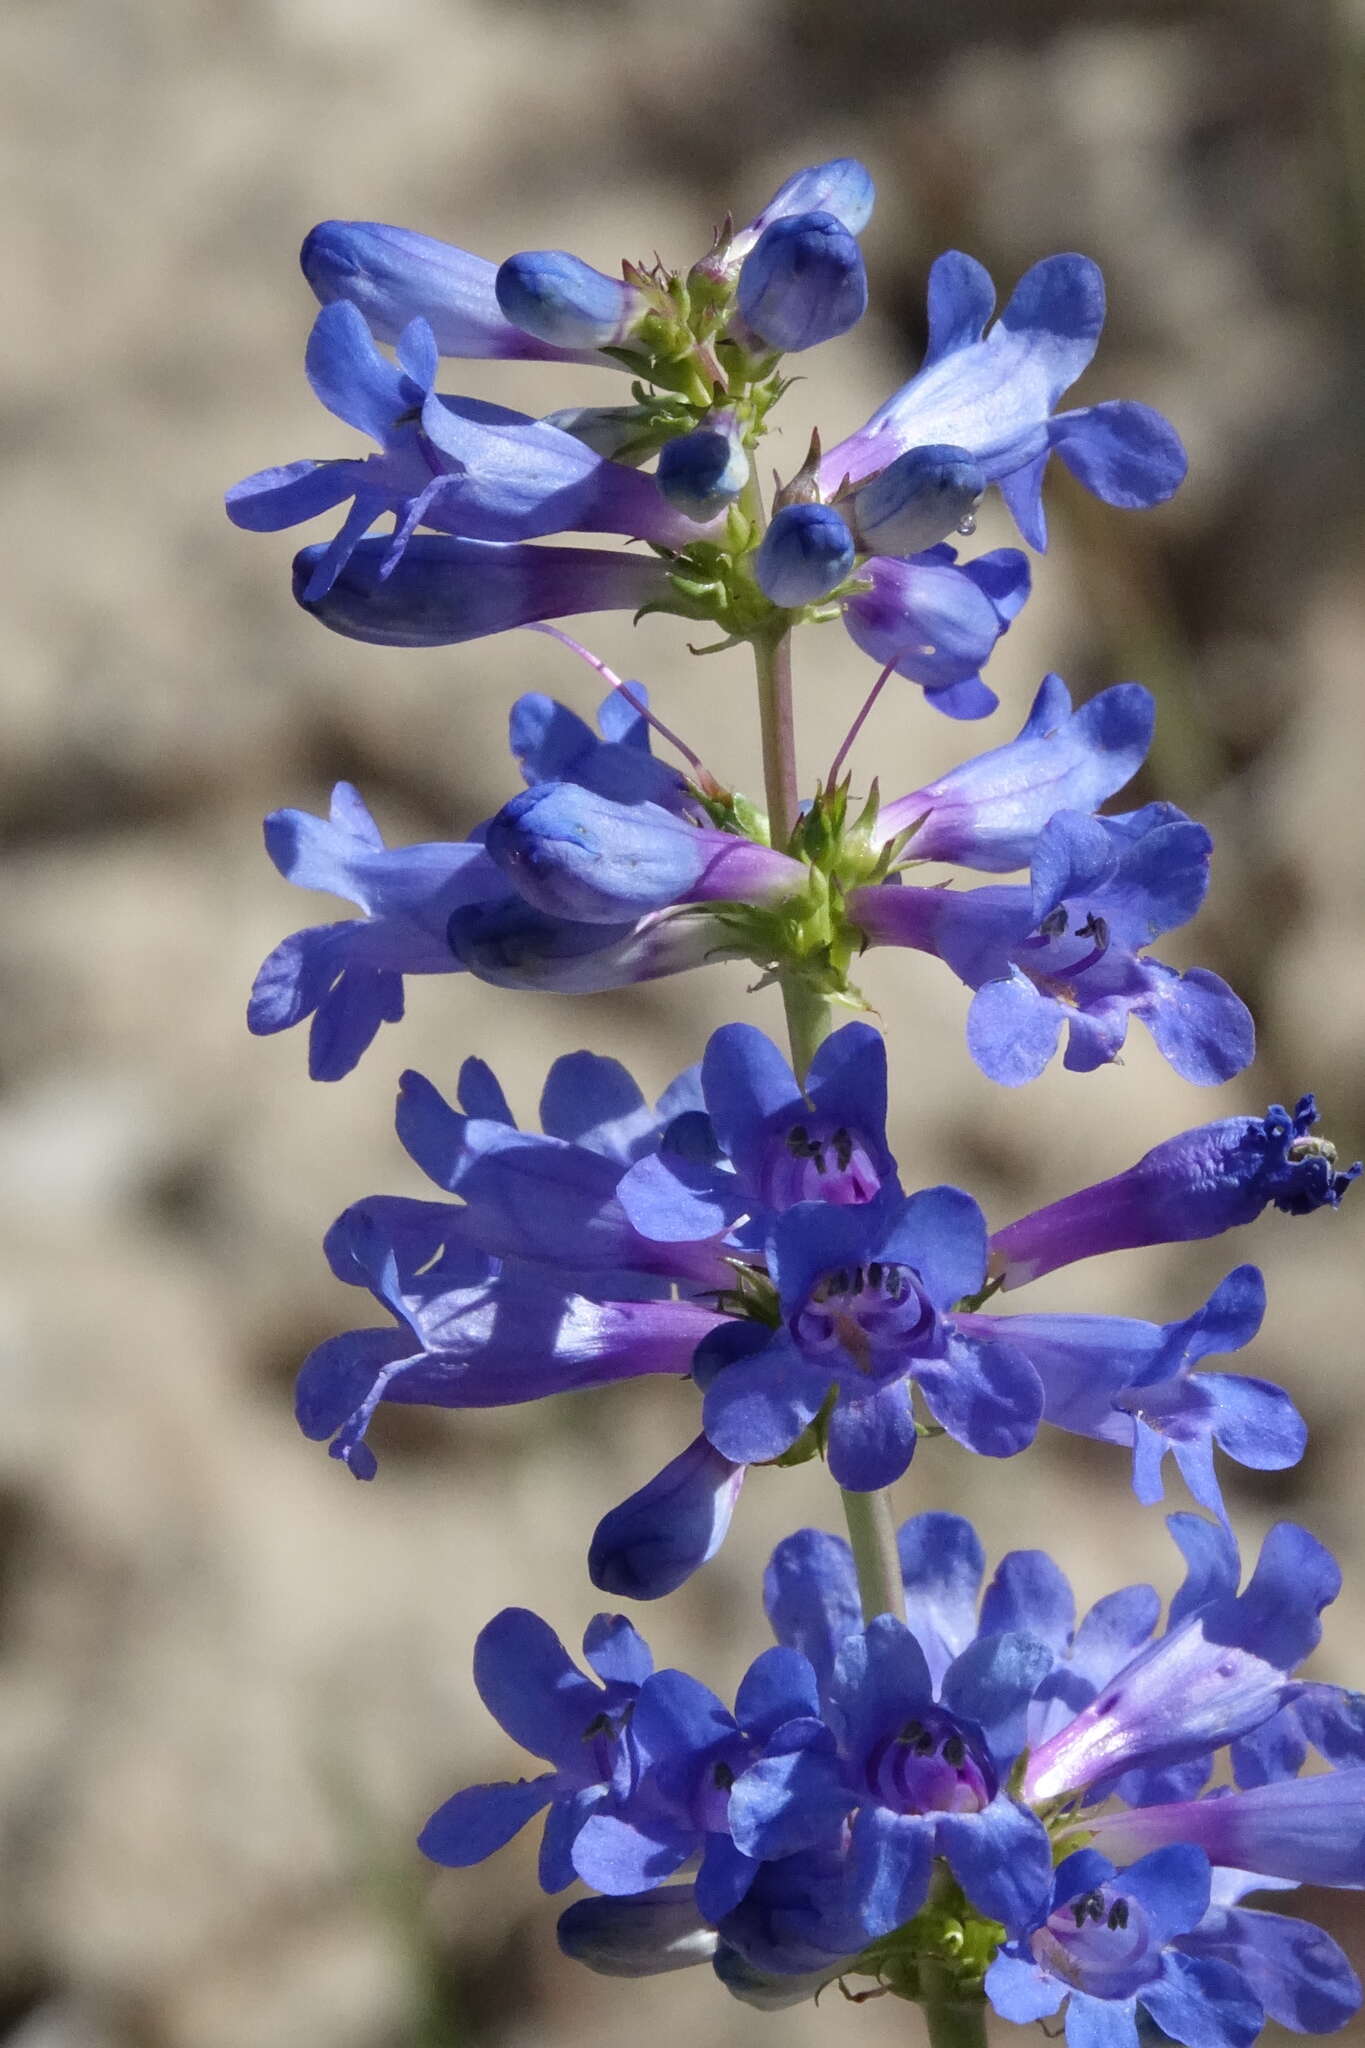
pixel 233 1682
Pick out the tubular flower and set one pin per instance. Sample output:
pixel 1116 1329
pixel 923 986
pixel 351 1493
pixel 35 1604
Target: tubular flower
pixel 994 395
pixel 1069 949
pixel 895 1759
pixel 1198 1184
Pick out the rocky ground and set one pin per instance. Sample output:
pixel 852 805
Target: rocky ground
pixel 231 1681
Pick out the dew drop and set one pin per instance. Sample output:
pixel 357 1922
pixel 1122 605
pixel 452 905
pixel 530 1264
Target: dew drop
pixel 966 526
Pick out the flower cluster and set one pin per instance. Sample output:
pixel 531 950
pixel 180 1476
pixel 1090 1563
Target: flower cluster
pixel 1059 1770
pixel 968 1800
pixel 752 1233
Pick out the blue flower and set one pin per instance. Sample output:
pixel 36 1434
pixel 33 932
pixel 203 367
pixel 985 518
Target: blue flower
pixel 459 465
pixel 393 277
pixel 689 1751
pixel 802 283
pixel 1069 949
pixel 937 620
pixel 1198 1184
pixel 994 395
pixel 550 1196
pixel 349 976
pixel 1134 1383
pixel 865 1296
pixel 534 1690
pixel 989 811
pixel 767 1141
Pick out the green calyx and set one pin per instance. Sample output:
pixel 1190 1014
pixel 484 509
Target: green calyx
pixel 939 1957
pixel 809 935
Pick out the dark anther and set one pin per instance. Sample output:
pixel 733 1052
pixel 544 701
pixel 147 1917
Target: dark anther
pixel 817 1153
pixel 1095 928
pixel 843 1148
pixel 857 1286
pixel 911 1732
pixel 1118 1913
pixel 955 1752
pixel 875 1274
pixel 925 1744
pixel 600 1724
pixel 1095 1907
pixel 798 1141
pixel 722 1777
pixel 1054 924
pixel 1078 1912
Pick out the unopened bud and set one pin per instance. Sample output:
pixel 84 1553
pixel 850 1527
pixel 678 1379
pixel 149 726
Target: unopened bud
pixel 558 298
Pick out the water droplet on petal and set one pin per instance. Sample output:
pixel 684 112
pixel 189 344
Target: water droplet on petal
pixel 966 526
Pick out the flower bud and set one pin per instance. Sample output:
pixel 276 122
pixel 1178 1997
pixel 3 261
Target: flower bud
pixel 653 1542
pixel 558 298
pixel 702 472
pixel 917 501
pixel 803 283
pixel 805 554
pixel 576 855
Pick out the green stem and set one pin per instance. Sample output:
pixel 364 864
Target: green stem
pixel 773 666
pixel 953 2021
pixel 871 1528
pixel 872 1535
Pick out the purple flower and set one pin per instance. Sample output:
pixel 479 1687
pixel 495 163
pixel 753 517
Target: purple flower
pixel 937 620
pixel 1069 949
pixel 1198 1184
pixel 1107 1946
pixel 865 1296
pixel 989 812
pixel 994 395
pixel 921 1770
pixel 445 591
pixel 1222 1668
pixel 842 187
pixel 470 1331
pixel 670 1528
pixel 550 1196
